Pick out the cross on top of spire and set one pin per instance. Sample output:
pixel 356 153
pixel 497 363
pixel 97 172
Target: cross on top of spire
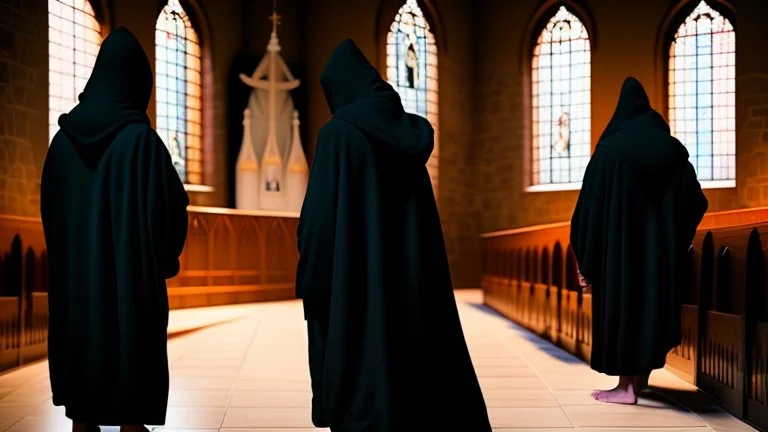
pixel 275 18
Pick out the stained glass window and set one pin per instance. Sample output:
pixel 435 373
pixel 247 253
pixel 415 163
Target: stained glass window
pixel 412 69
pixel 561 118
pixel 702 94
pixel 178 84
pixel 74 36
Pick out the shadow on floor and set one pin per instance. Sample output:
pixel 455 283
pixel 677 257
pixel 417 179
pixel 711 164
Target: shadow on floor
pixel 543 345
pixel 694 400
pixel 191 330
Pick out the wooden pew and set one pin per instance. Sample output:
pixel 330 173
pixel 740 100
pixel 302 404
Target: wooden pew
pixel 231 256
pixel 724 349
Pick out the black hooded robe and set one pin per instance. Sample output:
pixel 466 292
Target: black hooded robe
pixel 386 348
pixel 115 222
pixel 635 219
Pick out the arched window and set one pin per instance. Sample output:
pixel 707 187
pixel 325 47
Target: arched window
pixel 74 36
pixel 702 94
pixel 178 85
pixel 560 90
pixel 412 69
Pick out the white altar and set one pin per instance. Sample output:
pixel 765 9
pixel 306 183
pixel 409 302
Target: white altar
pixel 272 170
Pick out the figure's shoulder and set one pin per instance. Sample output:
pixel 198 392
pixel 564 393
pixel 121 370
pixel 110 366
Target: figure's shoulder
pixel 138 137
pixel 141 131
pixel 339 129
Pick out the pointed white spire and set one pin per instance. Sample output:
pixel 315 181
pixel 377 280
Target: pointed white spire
pixel 297 172
pixel 247 176
pixel 281 167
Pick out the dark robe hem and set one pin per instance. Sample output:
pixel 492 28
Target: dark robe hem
pixel 657 363
pixel 112 417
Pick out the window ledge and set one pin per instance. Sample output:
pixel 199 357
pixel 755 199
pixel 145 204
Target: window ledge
pixel 717 184
pixel 198 188
pixel 554 187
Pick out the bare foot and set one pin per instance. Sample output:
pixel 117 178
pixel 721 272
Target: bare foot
pixel 624 393
pixel 617 396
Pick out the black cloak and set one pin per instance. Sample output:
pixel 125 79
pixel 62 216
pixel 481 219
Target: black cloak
pixel 635 219
pixel 115 221
pixel 386 348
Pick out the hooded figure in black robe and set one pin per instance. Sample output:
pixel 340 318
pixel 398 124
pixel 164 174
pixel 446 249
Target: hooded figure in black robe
pixel 115 222
pixel 634 222
pixel 386 348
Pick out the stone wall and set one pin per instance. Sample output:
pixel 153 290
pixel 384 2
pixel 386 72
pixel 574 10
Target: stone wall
pixel 751 106
pixel 23 104
pixel 500 104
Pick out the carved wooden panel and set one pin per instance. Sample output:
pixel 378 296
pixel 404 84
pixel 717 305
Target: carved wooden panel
pixel 724 318
pixel 230 256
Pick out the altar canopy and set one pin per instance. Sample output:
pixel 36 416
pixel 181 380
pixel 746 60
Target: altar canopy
pixel 272 170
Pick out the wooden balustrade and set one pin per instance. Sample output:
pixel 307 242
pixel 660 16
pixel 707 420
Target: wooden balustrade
pixel 231 256
pixel 724 349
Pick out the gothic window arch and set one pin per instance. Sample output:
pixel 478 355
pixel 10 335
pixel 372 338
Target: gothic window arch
pixel 74 37
pixel 411 68
pixel 560 102
pixel 179 90
pixel 701 90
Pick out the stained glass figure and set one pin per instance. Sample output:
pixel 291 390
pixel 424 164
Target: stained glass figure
pixel 561 75
pixel 412 69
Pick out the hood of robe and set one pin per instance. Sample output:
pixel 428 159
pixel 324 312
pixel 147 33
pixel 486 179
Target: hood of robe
pixel 116 95
pixel 641 137
pixel 357 94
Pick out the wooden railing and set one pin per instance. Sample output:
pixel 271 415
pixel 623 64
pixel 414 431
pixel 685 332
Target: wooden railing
pixel 231 256
pixel 530 276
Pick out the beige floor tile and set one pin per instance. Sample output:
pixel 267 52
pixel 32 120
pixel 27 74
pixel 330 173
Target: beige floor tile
pixel 512 383
pixel 202 418
pixel 201 372
pixel 721 421
pixel 5 391
pixel 165 429
pixel 10 415
pixel 580 382
pixel 268 418
pixel 508 372
pixel 40 424
pixel 575 397
pixel 213 354
pixel 271 399
pixel 198 398
pixel 495 349
pixel 518 398
pixel 528 418
pixel 273 385
pixel 202 383
pixel 606 415
pixel 264 372
pixel 692 429
pixel 183 362
pixel 275 430
pixel 499 362
pixel 251 374
pixel 535 430
pixel 21 397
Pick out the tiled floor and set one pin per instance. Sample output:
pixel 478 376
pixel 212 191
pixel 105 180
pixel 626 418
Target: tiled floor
pixel 249 373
